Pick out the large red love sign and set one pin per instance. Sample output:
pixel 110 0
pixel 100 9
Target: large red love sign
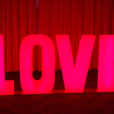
pixel 74 75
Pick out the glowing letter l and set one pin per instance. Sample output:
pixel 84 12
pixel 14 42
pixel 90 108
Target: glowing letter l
pixel 6 86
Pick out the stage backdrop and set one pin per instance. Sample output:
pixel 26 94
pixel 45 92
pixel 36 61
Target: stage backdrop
pixel 19 18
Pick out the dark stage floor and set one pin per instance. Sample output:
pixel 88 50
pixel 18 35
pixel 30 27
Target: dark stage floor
pixel 88 102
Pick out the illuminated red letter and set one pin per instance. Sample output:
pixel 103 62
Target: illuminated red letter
pixel 6 87
pixel 106 64
pixel 46 83
pixel 75 75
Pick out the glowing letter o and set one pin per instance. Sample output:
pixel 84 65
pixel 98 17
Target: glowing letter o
pixel 46 83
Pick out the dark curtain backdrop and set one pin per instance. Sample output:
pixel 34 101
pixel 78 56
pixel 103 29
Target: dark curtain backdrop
pixel 19 18
pixel 77 17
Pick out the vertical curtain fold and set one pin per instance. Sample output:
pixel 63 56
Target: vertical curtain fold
pixel 19 18
pixel 77 17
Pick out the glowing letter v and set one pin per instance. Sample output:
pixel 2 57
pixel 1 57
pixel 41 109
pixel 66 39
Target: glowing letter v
pixel 74 76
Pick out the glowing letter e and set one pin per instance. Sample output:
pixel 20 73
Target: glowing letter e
pixel 106 64
pixel 6 87
pixel 75 75
pixel 46 83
